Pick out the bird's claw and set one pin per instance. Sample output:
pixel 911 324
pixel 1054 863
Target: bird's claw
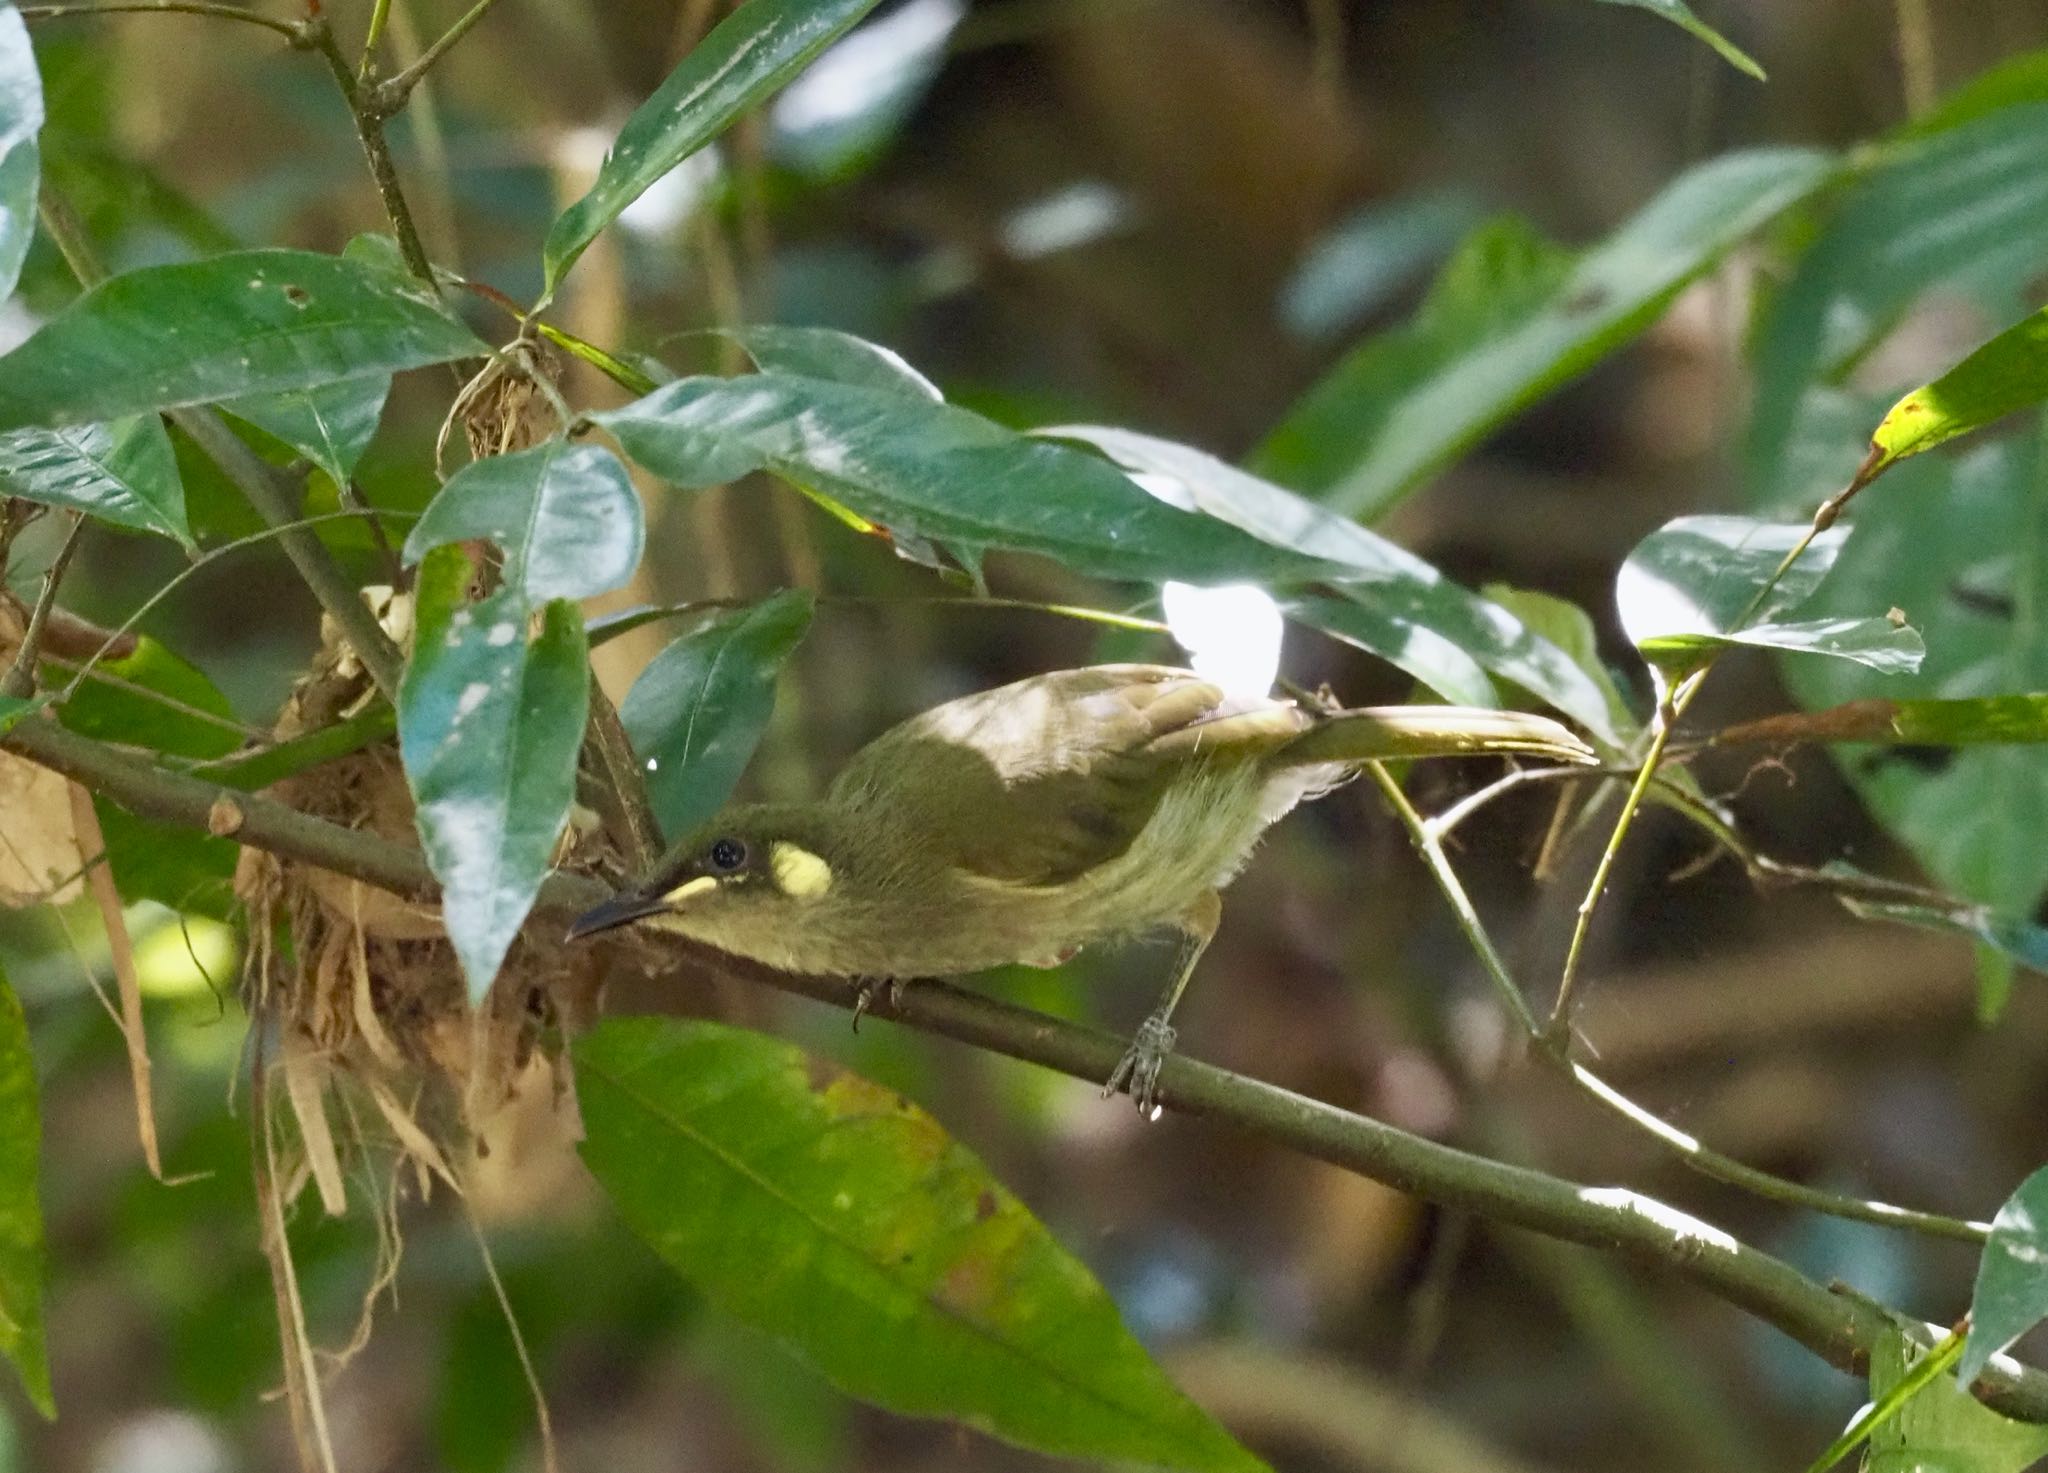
pixel 864 995
pixel 1139 1067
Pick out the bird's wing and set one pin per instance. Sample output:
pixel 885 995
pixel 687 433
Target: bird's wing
pixel 1040 781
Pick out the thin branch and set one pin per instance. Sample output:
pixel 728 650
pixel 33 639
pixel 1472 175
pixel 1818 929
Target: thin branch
pixel 387 97
pixel 288 29
pixel 1842 1329
pixel 258 482
pixel 380 12
pixel 317 35
pixel 21 677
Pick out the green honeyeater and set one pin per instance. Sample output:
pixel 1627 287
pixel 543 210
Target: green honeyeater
pixel 1020 824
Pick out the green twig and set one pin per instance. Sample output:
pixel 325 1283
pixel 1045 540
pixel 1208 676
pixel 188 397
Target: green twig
pixel 1841 1329
pixel 388 97
pixel 20 681
pixel 380 13
pixel 285 28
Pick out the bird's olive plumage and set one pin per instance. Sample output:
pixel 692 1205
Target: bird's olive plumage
pixel 1020 824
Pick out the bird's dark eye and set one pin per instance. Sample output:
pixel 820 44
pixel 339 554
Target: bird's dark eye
pixel 727 855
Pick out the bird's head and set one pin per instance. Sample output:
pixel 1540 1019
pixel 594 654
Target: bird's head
pixel 740 883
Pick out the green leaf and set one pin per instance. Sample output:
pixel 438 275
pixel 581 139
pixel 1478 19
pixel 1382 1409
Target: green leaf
pixel 21 1212
pixel 1680 14
pixel 1961 545
pixel 1511 319
pixel 750 53
pixel 13 708
pixel 489 725
pixel 859 93
pixel 698 710
pixel 565 516
pixel 1360 264
pixel 840 1218
pixel 1943 1429
pixel 1902 1377
pixel 827 353
pixel 1570 628
pixel 2014 937
pixel 331 424
pixel 2011 1296
pixel 1965 210
pixel 157 700
pixel 251 322
pixel 124 473
pixel 1698 584
pixel 936 472
pixel 1393 603
pixel 21 120
pixel 2007 374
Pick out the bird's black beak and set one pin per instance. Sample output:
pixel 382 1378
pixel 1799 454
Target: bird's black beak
pixel 618 911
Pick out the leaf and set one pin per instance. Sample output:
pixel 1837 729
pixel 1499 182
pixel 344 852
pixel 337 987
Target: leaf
pixel 2011 1296
pixel 1901 1376
pixel 21 119
pixel 13 708
pixel 1965 210
pixel 565 516
pixel 1698 584
pixel 1966 722
pixel 1943 1429
pixel 857 95
pixel 1356 268
pixel 1393 603
pixel 827 353
pixel 124 473
pixel 331 424
pixel 698 710
pixel 1510 319
pixel 933 471
pixel 750 53
pixel 840 1218
pixel 2014 937
pixel 157 700
pixel 1961 545
pixel 1680 14
pixel 21 1213
pixel 1570 628
pixel 489 726
pixel 250 322
pixel 2008 373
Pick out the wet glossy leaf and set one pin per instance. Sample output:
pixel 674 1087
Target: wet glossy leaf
pixel 565 516
pixel 932 471
pixel 124 473
pixel 750 53
pixel 1680 14
pixel 1570 628
pixel 858 93
pixel 1964 210
pixel 1960 544
pixel 1698 584
pixel 489 725
pixel 1511 319
pixel 698 710
pixel 21 1212
pixel 331 425
pixel 21 120
pixel 1392 603
pixel 827 353
pixel 251 322
pixel 2012 1281
pixel 840 1218
pixel 2008 373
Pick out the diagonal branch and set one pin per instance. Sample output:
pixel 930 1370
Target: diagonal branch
pixel 1843 1329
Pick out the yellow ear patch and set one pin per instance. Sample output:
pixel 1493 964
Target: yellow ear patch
pixel 684 891
pixel 799 872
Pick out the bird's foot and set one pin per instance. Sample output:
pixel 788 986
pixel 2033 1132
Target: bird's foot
pixel 1139 1067
pixel 865 989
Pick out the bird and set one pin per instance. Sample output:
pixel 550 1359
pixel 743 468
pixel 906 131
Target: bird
pixel 1023 823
